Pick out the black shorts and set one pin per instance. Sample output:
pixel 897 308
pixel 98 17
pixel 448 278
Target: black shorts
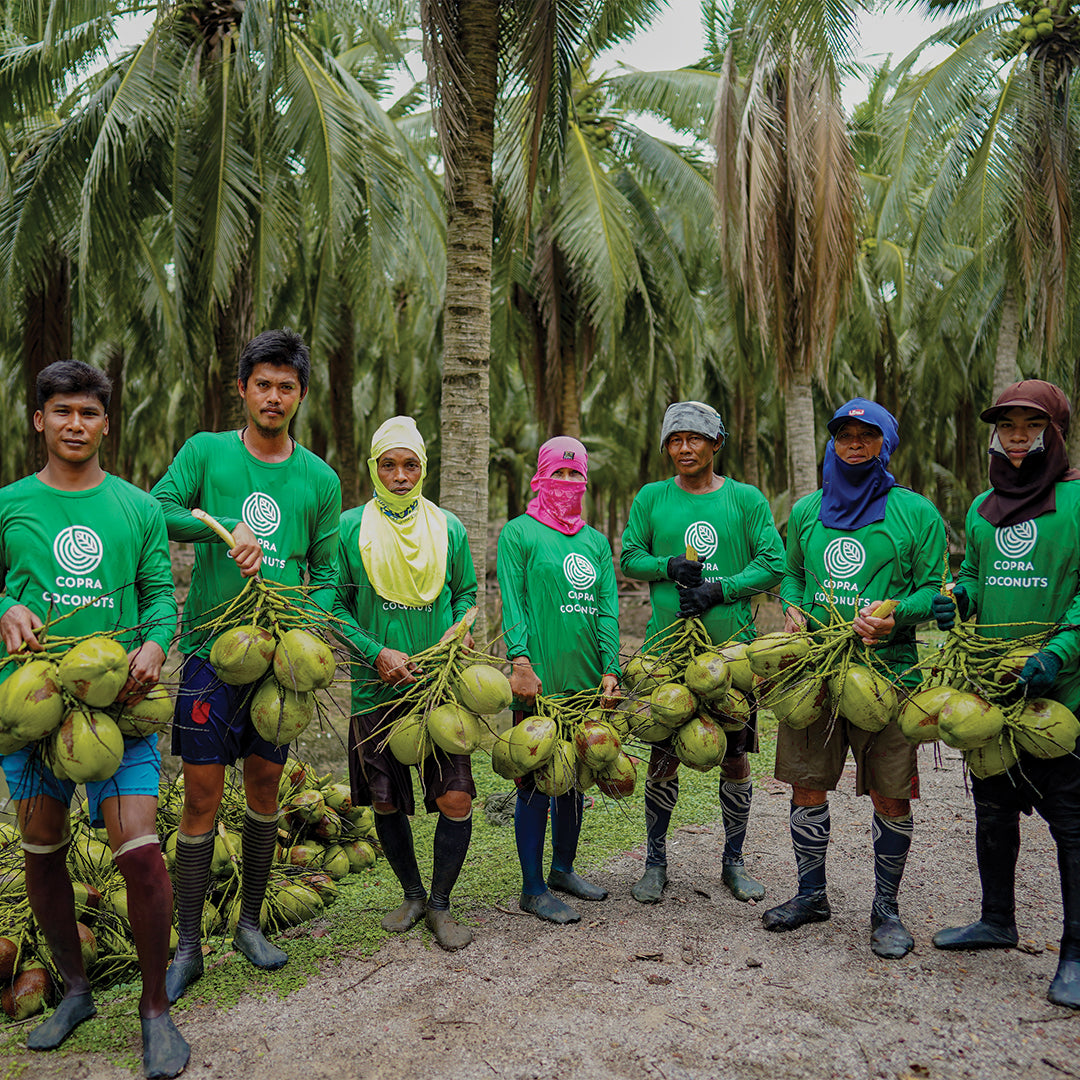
pixel 376 776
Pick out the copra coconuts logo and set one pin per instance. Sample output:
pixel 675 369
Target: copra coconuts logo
pixel 844 557
pixel 580 573
pixel 261 514
pixel 701 536
pixel 1016 541
pixel 78 549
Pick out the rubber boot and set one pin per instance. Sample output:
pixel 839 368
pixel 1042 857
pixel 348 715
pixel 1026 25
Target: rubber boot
pixel 810 827
pixel 660 798
pixel 735 798
pixel 396 839
pixel 1063 816
pixel 452 837
pixel 566 815
pixel 889 937
pixel 530 829
pixel 997 845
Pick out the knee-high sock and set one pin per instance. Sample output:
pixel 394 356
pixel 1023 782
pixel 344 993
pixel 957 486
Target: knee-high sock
pixel 150 904
pixel 52 901
pixel 892 841
pixel 395 836
pixel 530 828
pixel 452 836
pixel 257 840
pixel 810 839
pixel 191 876
pixel 735 796
pixel 660 799
pixel 566 811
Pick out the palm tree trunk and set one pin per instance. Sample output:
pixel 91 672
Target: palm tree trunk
pixel 233 329
pixel 46 339
pixel 465 408
pixel 569 422
pixel 341 364
pixel 113 461
pixel 1008 344
pixel 801 435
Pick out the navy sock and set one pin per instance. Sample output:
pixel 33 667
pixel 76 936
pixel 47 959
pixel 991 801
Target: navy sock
pixel 892 841
pixel 452 836
pixel 395 836
pixel 810 839
pixel 566 811
pixel 660 798
pixel 735 796
pixel 530 828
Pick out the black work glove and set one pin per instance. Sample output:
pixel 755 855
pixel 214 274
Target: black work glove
pixel 685 572
pixel 695 602
pixel 945 610
pixel 1039 673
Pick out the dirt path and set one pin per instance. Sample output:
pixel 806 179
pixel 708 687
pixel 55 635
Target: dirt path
pixel 692 987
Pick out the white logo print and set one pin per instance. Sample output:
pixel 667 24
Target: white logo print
pixel 1016 541
pixel 261 514
pixel 580 573
pixel 844 557
pixel 701 536
pixel 78 549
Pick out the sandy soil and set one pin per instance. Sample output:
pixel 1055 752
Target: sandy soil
pixel 692 987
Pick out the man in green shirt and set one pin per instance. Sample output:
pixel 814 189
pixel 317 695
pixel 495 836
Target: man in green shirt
pixel 858 540
pixel 281 504
pixel 1021 574
pixel 79 544
pixel 730 527
pixel 406 578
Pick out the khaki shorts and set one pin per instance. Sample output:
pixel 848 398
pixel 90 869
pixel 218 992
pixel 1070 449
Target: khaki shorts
pixel 814 758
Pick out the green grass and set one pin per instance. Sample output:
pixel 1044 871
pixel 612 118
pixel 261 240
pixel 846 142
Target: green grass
pixel 351 926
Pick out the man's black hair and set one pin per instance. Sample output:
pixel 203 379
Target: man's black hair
pixel 282 348
pixel 73 377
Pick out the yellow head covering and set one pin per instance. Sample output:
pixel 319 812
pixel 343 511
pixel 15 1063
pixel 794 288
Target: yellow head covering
pixel 403 538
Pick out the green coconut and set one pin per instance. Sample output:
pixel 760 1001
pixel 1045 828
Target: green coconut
pixel 28 994
pixel 802 704
pixel 738 664
pixel 338 797
pixel 557 775
pixel 967 721
pixel 360 853
pixel 308 806
pixel 645 726
pixel 324 885
pixel 732 714
pixel 308 853
pixel 242 655
pixel 31 703
pixel 329 826
pixel 866 698
pixel 1046 729
pixel 708 676
pixel 148 716
pixel 453 729
pixel 280 714
pixel 770 654
pixel 483 690
pixel 996 757
pixel 585 776
pixel 10 743
pixel 408 740
pixel 644 672
pixel 502 764
pixel 221 860
pixel 618 779
pixel 597 743
pixel 700 743
pixel 95 671
pixel 672 704
pixel 1008 668
pixel 336 862
pixel 303 662
pixel 88 745
pixel 297 903
pixel 532 741
pixel 90 857
pixel 618 719
pixel 918 716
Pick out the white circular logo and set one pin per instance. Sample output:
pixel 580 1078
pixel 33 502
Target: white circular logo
pixel 701 536
pixel 261 514
pixel 580 573
pixel 1016 541
pixel 844 557
pixel 78 549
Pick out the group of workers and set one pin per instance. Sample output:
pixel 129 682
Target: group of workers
pixel 397 576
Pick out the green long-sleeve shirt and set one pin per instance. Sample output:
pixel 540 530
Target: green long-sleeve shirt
pixel 560 603
pixel 1030 573
pixel 372 623
pixel 291 506
pixel 99 557
pixel 901 557
pixel 733 533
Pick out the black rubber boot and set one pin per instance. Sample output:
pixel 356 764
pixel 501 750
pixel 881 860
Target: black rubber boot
pixel 1059 805
pixel 651 885
pixel 798 911
pixel 165 1050
pixel 395 836
pixel 574 884
pixel 549 908
pixel 997 844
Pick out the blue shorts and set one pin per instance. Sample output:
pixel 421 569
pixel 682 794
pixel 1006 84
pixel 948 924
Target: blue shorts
pixel 139 774
pixel 212 723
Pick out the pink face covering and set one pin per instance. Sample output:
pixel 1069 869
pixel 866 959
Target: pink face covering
pixel 558 502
